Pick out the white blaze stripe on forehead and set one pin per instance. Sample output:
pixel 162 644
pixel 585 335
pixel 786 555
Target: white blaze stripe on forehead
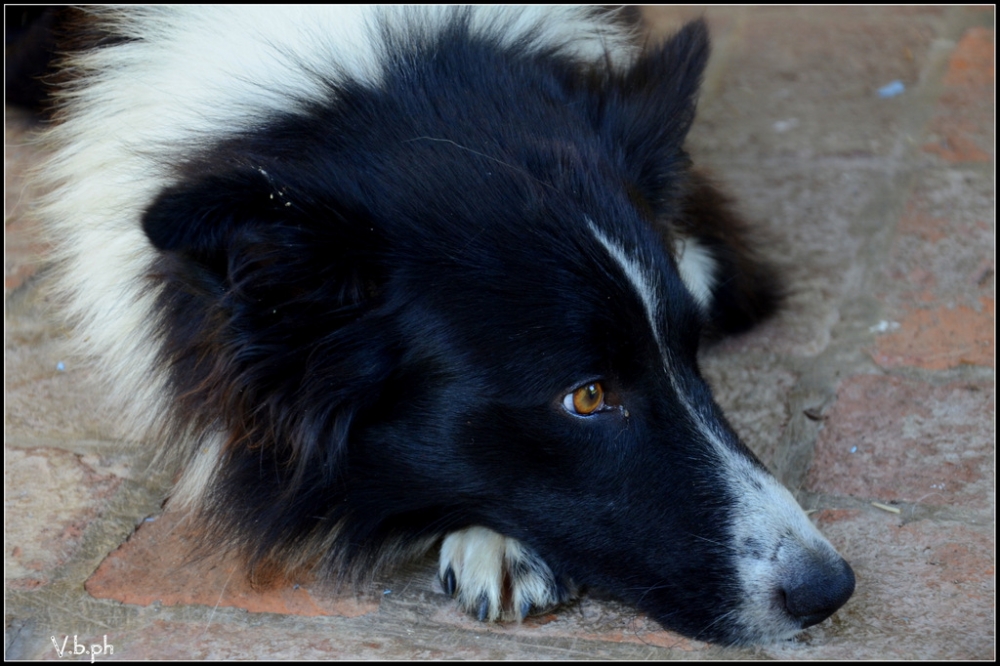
pixel 764 510
pixel 639 278
pixel 648 294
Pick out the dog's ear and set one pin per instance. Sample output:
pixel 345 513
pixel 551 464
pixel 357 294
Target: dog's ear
pixel 241 229
pixel 269 301
pixel 647 111
pixel 707 236
pixel 197 215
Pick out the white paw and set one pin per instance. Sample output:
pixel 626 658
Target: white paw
pixel 498 578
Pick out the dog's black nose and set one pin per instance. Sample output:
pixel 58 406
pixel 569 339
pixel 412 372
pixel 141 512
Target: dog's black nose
pixel 817 588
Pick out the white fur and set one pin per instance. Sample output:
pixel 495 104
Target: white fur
pixel 482 559
pixel 198 473
pixel 193 75
pixel 697 269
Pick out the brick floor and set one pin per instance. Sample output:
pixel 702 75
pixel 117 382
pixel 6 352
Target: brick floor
pixel 874 386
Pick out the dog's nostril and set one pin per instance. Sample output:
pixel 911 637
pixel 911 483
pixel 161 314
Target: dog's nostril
pixel 814 592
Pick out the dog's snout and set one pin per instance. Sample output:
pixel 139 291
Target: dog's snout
pixel 816 588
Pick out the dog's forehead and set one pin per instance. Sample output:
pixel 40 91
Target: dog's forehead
pixel 576 281
pixel 553 254
pixel 644 281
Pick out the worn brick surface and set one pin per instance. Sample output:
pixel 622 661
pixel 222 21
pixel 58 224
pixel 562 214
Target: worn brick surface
pixel 163 563
pixel 942 250
pixel 806 213
pixel 55 495
pixel 875 383
pixel 939 280
pixel 963 128
pixel 893 439
pixel 940 338
pixel 763 109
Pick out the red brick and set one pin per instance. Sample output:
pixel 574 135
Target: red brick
pixel 915 442
pixel 942 251
pixel 50 498
pixel 938 284
pixel 963 127
pixel 162 562
pixel 954 143
pixel 971 63
pixel 940 338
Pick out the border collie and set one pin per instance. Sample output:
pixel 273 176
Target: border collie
pixel 389 278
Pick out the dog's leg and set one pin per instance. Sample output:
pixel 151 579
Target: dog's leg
pixel 498 578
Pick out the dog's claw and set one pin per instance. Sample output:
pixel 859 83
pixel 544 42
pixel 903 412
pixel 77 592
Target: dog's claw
pixel 448 582
pixel 484 608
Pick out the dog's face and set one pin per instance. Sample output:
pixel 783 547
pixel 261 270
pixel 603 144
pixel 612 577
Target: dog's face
pixel 550 391
pixel 439 320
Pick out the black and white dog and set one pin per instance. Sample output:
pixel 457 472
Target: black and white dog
pixel 387 276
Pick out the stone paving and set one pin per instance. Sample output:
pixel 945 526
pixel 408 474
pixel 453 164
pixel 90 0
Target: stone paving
pixel 872 395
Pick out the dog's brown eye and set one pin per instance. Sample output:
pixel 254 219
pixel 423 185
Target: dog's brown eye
pixel 585 400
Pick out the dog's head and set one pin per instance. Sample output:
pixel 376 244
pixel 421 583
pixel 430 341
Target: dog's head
pixel 473 295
